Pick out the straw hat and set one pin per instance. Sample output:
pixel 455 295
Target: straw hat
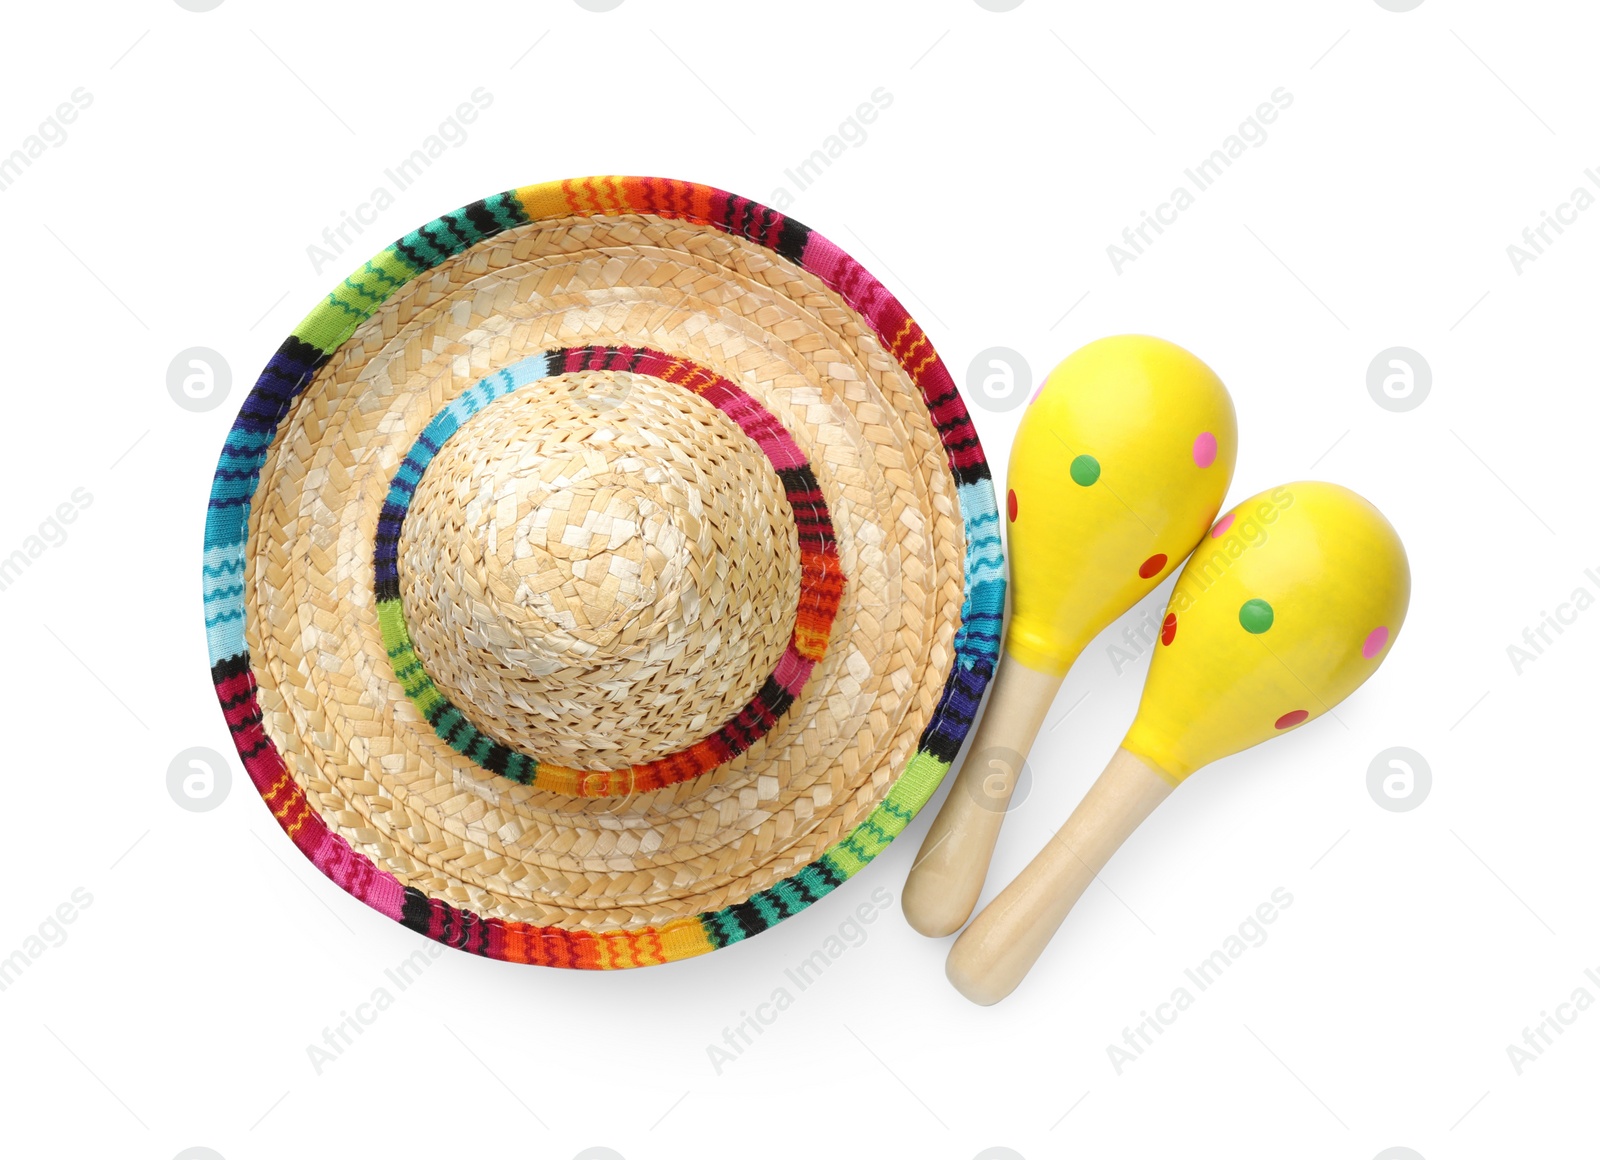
pixel 603 573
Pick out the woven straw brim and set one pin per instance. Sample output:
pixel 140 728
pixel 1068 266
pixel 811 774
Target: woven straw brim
pixel 514 600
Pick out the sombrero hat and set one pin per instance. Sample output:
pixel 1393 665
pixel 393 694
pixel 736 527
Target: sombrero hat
pixel 601 574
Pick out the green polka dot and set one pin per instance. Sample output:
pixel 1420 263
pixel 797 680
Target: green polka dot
pixel 1255 615
pixel 1085 470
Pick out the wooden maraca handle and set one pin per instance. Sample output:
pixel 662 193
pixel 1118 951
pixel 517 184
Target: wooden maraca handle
pixel 998 949
pixel 948 874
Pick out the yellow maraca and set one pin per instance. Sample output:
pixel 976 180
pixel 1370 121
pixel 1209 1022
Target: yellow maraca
pixel 1119 466
pixel 1285 609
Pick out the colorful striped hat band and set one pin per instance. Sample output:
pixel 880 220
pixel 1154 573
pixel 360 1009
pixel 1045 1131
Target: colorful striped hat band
pixel 601 574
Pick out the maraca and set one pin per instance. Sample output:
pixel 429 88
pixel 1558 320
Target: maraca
pixel 1290 604
pixel 1119 466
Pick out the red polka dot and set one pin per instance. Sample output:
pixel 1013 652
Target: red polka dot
pixel 1169 628
pixel 1153 565
pixel 1011 505
pixel 1289 720
pixel 1223 525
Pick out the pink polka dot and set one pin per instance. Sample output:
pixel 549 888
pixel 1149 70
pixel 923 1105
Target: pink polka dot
pixel 1375 641
pixel 1039 390
pixel 1205 449
pixel 1223 525
pixel 1289 720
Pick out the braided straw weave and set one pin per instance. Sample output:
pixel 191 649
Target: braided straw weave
pixel 603 573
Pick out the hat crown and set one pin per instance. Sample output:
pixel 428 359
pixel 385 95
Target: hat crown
pixel 599 569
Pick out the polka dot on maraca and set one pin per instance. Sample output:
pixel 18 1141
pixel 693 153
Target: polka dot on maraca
pixel 1290 720
pixel 1153 565
pixel 1169 628
pixel 1085 470
pixel 1223 525
pixel 1011 504
pixel 1255 616
pixel 1205 449
pixel 1375 641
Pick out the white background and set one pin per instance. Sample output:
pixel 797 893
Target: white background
pixel 178 1010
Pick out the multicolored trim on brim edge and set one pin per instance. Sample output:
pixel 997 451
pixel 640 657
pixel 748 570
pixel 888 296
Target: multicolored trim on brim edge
pixel 326 328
